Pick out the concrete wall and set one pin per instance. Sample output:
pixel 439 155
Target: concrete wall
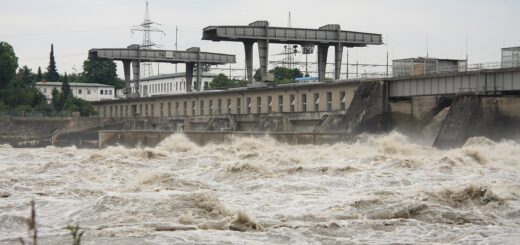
pixel 153 138
pixel 235 102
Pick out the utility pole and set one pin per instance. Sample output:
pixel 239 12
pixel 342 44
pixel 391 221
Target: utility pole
pixel 357 68
pixel 146 28
pixel 347 63
pixel 386 61
pixel 176 32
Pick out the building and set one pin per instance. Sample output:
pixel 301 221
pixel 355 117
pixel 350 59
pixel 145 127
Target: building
pixel 424 66
pixel 511 57
pixel 167 84
pixel 85 91
pixel 314 98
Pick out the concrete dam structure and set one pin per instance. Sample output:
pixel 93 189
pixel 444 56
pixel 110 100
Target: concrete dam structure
pixel 339 110
pixel 306 113
pixel 439 109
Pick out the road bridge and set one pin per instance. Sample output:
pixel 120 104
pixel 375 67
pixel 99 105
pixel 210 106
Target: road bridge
pixel 263 34
pixel 492 81
pixel 134 55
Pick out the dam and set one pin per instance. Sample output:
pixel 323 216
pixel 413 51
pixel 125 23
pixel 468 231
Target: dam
pixel 440 102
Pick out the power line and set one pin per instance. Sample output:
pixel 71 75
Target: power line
pixel 62 32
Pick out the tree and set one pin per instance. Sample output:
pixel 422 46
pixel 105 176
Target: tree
pixel 56 100
pixel 52 71
pixel 221 81
pixel 101 71
pixel 25 76
pixel 84 108
pixel 8 64
pixel 65 88
pixel 39 77
pixel 281 74
pixel 285 75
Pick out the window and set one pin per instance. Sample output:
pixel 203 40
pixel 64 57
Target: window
pixel 229 106
pixel 304 102
pixel 329 101
pixel 291 98
pixel 210 107
pixel 126 110
pixel 258 104
pixel 88 91
pixel 185 108
pixel 239 102
pixel 109 92
pixel 269 104
pixel 248 102
pixel 145 110
pixel 152 109
pixel 280 103
pixel 133 110
pixel 110 111
pixel 219 106
pixel 316 102
pixel 161 106
pixel 101 91
pixel 342 105
pixel 115 114
pixel 176 108
pixel 193 107
pixel 141 109
pixel 121 111
pixel 79 91
pixel 202 107
pixel 169 109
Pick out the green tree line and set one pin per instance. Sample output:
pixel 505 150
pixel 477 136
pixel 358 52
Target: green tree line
pixel 18 90
pixel 281 75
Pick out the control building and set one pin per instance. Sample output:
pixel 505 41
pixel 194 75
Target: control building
pixel 85 91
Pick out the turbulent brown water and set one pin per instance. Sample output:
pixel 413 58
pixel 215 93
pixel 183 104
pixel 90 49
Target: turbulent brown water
pixel 382 189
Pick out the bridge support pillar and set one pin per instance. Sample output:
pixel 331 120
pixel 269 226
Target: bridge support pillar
pixel 263 54
pixel 189 76
pixel 322 60
pixel 136 69
pixel 337 61
pixel 199 76
pixel 248 48
pixel 126 69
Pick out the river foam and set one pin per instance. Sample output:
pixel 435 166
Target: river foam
pixel 379 189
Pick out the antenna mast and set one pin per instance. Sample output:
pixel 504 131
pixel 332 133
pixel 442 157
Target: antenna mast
pixel 147 28
pixel 289 49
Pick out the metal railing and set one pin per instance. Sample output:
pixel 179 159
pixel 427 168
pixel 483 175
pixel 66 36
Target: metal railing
pixel 37 114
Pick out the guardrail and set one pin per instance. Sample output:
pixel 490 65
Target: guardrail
pixel 38 114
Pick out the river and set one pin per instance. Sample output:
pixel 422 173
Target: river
pixel 380 189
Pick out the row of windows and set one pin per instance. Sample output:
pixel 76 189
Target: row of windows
pixel 164 87
pixel 104 92
pixel 80 91
pixel 225 106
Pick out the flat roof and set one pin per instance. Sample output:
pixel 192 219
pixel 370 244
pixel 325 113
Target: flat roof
pixel 427 58
pixel 44 83
pixel 174 75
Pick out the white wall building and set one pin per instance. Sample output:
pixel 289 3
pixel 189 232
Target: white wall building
pixel 166 84
pixel 86 91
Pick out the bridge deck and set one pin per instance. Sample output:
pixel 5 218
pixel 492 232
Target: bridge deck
pixel 474 82
pixel 166 56
pixel 291 35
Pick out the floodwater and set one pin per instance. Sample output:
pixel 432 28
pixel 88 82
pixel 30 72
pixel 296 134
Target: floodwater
pixel 381 189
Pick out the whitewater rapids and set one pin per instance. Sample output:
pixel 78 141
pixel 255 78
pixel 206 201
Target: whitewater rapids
pixel 381 189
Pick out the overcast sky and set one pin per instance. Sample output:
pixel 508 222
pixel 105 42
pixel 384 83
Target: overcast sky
pixel 75 26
